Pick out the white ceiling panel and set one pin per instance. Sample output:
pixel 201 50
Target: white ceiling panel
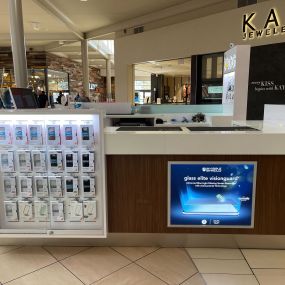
pixel 95 14
pixel 31 13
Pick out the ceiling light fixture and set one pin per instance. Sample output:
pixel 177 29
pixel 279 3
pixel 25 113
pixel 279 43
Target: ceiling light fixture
pixel 83 0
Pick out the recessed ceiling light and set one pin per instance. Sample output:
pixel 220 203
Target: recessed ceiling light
pixel 83 0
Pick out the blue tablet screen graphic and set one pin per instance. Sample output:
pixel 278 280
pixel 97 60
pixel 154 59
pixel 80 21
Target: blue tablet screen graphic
pixel 218 194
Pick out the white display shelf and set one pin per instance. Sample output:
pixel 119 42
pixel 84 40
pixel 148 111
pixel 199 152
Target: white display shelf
pixel 52 174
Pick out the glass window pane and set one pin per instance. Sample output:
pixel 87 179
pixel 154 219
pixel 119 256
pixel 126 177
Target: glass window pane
pixel 220 62
pixel 209 62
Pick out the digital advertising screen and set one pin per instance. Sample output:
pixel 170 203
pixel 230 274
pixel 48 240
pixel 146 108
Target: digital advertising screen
pixel 211 194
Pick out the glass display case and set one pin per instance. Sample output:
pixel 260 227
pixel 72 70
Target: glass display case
pixel 52 174
pixel 39 79
pixel 57 81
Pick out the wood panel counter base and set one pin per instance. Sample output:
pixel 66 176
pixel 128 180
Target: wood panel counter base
pixel 137 193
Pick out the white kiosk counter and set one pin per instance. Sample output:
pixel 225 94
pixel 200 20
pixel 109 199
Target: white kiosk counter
pixel 140 190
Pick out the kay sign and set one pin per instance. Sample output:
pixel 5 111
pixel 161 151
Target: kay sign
pixel 272 26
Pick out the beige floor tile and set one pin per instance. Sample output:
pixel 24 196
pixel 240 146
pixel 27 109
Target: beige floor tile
pixel 7 248
pixel 54 274
pixel 270 276
pixel 130 275
pixel 223 279
pixel 95 263
pixel 218 253
pixel 222 266
pixel 61 252
pixel 22 261
pixel 197 279
pixel 172 265
pixel 265 258
pixel 134 253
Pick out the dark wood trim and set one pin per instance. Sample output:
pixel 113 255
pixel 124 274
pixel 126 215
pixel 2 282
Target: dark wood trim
pixel 137 193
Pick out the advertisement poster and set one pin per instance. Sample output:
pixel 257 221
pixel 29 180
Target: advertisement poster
pixel 229 88
pixel 211 194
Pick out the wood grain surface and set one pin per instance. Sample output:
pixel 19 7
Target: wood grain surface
pixel 137 193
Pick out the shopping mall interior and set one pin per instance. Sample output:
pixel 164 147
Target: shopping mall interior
pixel 142 142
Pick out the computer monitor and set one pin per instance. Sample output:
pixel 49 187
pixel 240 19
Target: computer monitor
pixel 24 98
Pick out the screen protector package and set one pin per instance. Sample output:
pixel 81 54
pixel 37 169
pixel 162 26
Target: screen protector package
pixel 41 211
pixel 41 186
pixel 7 161
pixel 11 211
pixel 87 161
pixel 20 135
pixel 55 186
pixel 39 160
pixel 57 211
pixel 71 161
pixel 71 186
pixel 69 135
pixel 53 134
pixel 87 186
pixel 26 212
pixel 10 186
pixel 55 160
pixel 87 135
pixel 89 211
pixel 23 158
pixel 5 134
pixel 35 134
pixel 26 186
pixel 76 211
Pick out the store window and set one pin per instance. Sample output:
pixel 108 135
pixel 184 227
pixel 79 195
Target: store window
pixel 212 78
pixel 166 81
pixel 7 78
pixel 58 81
pixel 142 91
pixel 36 78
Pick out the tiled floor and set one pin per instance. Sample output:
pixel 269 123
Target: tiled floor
pixel 140 266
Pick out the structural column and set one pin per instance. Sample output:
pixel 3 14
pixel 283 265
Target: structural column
pixel 109 79
pixel 85 66
pixel 18 43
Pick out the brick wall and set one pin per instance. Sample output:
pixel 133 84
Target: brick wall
pixel 74 69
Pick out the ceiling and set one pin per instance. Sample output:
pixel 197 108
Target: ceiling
pixel 57 26
pixel 175 67
pixel 95 14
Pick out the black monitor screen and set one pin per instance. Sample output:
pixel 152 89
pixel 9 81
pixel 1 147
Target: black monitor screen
pixel 24 98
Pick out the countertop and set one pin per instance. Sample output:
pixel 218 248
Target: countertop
pixel 269 140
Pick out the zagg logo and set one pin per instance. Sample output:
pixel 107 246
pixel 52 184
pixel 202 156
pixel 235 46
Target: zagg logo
pixel 272 26
pixel 212 169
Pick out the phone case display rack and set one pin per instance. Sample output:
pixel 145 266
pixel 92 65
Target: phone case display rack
pixel 52 173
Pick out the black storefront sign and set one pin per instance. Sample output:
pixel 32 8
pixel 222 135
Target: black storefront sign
pixel 266 79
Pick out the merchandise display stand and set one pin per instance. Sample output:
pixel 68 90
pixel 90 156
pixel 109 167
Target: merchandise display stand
pixel 52 173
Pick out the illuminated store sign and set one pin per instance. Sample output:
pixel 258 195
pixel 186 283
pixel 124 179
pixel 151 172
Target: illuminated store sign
pixel 272 26
pixel 211 194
